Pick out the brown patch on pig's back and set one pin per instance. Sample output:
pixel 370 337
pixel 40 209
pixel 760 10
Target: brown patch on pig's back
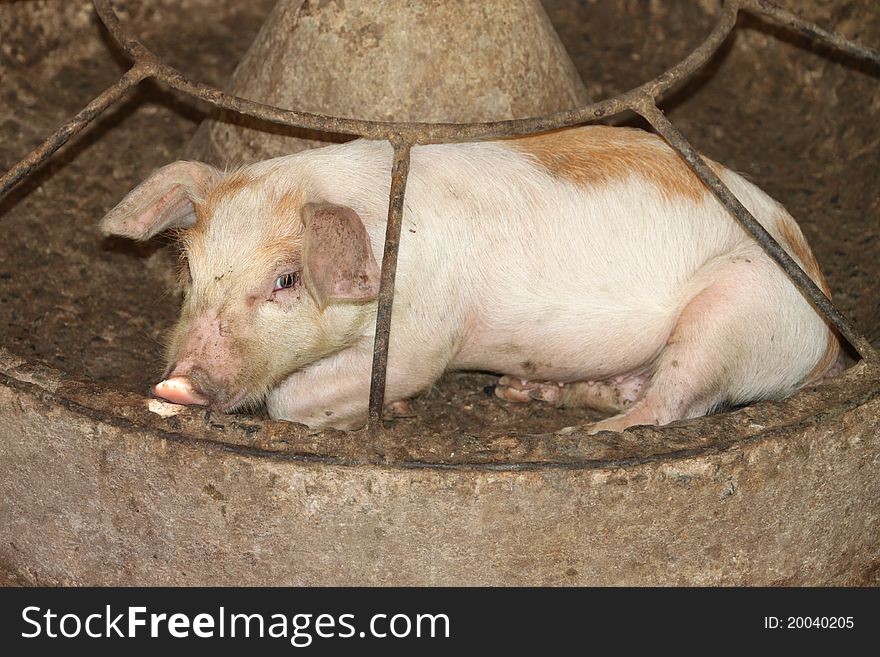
pixel 794 239
pixel 791 237
pixel 829 358
pixel 599 155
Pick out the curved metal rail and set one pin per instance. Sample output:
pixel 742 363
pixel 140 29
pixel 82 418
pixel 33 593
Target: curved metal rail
pixel 403 136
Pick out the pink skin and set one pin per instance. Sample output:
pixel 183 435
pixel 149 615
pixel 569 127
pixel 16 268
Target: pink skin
pixel 179 390
pixel 611 396
pixel 202 367
pixel 400 408
pixel 626 339
pixel 684 379
pixel 211 360
pixel 512 389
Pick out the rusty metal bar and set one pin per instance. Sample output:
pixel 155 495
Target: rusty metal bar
pixel 422 133
pixel 745 218
pixel 780 16
pixel 71 128
pixel 399 175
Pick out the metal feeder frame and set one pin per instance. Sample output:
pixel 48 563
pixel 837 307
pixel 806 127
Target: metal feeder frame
pixel 403 136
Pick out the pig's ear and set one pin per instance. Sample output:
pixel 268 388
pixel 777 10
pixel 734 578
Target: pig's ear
pixel 338 262
pixel 164 200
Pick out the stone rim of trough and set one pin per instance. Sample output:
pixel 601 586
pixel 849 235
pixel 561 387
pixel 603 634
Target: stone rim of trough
pixel 569 449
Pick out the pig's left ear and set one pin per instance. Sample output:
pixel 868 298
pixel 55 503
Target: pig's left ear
pixel 338 262
pixel 164 200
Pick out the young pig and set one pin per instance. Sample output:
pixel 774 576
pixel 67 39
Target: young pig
pixel 589 266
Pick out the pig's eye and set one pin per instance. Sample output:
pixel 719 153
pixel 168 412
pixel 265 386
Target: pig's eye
pixel 285 281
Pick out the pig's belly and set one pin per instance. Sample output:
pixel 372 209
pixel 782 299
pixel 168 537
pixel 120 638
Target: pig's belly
pixel 565 348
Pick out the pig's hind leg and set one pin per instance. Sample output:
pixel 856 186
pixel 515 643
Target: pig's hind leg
pixel 721 350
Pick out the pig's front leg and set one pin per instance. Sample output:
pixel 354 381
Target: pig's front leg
pixel 333 392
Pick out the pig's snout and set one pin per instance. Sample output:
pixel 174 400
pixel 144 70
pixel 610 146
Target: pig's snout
pixel 203 369
pixel 180 390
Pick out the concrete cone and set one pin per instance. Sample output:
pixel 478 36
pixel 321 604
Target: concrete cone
pixel 420 60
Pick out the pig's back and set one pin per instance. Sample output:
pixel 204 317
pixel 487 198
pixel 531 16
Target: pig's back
pixel 583 245
pixel 617 214
pixel 580 246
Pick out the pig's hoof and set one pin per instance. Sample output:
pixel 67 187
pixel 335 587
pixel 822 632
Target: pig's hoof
pixel 611 424
pixel 398 409
pixel 618 423
pixel 513 389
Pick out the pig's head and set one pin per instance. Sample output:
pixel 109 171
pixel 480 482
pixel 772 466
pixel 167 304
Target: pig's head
pixel 273 280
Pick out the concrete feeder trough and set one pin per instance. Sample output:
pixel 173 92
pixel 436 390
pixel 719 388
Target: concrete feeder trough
pixel 101 485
